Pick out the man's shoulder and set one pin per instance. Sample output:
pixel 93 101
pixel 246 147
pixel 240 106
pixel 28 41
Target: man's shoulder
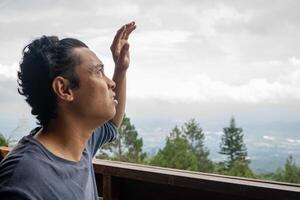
pixel 23 173
pixel 19 165
pixel 22 162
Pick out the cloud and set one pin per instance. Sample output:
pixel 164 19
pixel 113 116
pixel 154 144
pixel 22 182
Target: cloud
pixel 213 133
pixel 266 137
pixel 294 61
pixel 263 144
pixel 159 43
pixel 8 90
pixel 293 141
pixel 123 9
pixel 9 71
pixel 203 51
pixel 278 142
pixel 220 15
pixel 201 87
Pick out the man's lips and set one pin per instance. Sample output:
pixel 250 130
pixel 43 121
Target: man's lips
pixel 115 100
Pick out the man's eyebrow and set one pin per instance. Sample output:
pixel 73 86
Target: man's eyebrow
pixel 97 66
pixel 100 65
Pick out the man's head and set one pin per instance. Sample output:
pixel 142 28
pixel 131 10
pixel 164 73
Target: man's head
pixel 59 76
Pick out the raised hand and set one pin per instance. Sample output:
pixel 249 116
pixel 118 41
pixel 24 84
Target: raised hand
pixel 120 46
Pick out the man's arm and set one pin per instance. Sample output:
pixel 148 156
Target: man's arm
pixel 120 53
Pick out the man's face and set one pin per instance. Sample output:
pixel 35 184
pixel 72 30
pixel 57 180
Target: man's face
pixel 94 99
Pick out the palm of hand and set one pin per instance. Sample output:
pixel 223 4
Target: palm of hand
pixel 120 46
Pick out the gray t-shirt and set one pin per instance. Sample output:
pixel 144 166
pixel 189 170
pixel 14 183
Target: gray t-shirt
pixel 32 172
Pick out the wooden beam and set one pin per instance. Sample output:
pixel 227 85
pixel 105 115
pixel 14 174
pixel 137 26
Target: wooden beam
pixel 227 185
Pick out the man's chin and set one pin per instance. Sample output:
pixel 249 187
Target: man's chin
pixel 112 114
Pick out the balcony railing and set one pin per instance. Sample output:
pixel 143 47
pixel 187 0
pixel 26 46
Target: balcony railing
pixel 118 180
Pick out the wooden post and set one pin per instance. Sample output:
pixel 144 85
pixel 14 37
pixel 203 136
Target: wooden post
pixel 110 188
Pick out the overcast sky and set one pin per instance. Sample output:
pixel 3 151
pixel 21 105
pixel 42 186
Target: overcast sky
pixel 203 59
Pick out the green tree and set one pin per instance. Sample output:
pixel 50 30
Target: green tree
pixel 240 168
pixel 3 140
pixel 291 172
pixel 127 147
pixel 177 153
pixel 278 175
pixel 232 145
pixel 195 136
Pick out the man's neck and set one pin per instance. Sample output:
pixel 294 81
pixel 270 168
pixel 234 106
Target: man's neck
pixel 65 138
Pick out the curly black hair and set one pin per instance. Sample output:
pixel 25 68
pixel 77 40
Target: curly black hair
pixel 44 59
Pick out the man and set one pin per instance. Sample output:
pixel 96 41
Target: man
pixel 79 109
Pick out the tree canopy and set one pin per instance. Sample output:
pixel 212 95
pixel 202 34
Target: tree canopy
pixel 127 147
pixel 184 149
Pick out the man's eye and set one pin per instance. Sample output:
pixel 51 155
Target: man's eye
pixel 99 70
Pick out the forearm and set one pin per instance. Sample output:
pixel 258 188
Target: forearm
pixel 120 53
pixel 119 78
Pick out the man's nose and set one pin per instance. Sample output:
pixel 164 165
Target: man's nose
pixel 111 84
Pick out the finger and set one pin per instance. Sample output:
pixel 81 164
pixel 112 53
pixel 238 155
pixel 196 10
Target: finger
pixel 128 27
pixel 118 36
pixel 131 23
pixel 120 31
pixel 128 32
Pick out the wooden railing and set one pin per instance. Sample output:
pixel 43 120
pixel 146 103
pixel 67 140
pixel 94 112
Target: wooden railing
pixel 118 180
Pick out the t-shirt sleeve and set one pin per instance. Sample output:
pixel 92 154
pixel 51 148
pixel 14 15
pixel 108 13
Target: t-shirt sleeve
pixel 101 135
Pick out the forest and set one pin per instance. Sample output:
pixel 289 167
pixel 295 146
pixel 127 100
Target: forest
pixel 184 149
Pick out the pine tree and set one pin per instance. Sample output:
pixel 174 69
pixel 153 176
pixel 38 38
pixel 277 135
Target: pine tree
pixel 127 147
pixel 195 137
pixel 232 145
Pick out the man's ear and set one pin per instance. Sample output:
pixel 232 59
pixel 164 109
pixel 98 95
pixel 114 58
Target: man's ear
pixel 61 87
